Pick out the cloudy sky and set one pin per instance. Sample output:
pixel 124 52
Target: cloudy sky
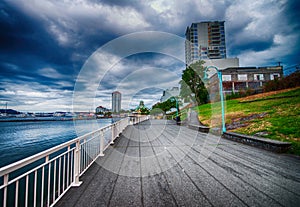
pixel 58 54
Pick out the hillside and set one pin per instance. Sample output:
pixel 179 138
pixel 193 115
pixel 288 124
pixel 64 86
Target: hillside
pixel 274 115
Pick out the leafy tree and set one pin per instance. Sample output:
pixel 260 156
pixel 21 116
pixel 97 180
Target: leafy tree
pixel 191 83
pixel 165 106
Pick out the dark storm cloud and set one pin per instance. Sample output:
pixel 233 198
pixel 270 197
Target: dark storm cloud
pixel 255 45
pixel 291 11
pixel 45 43
pixel 23 37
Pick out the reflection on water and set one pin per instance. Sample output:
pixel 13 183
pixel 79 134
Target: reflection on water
pixel 19 140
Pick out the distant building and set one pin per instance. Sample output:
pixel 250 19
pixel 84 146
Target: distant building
pixel 222 63
pixel 101 110
pixel 244 78
pixel 169 93
pixel 116 102
pixel 205 40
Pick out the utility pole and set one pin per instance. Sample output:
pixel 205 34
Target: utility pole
pixel 6 108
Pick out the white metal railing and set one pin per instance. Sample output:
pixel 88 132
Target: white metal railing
pixel 42 179
pixel 137 119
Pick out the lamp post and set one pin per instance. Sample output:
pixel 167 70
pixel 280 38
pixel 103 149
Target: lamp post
pixel 221 92
pixel 177 114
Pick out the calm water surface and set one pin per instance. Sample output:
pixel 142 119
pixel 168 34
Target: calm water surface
pixel 19 140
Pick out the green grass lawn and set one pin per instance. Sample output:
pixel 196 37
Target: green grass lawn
pixel 275 116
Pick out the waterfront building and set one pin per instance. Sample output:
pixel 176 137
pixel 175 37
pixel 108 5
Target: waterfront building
pixel 238 79
pixel 116 102
pixel 141 109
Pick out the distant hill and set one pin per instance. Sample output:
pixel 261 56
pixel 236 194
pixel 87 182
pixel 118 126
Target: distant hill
pixel 9 111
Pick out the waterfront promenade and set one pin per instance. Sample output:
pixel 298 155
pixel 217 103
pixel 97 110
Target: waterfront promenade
pixel 158 163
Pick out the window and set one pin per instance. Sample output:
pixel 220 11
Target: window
pixel 274 76
pixel 226 77
pixel 242 77
pixel 258 77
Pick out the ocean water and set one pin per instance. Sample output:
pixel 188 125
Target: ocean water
pixel 19 140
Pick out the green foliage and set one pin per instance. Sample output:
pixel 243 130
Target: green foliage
pixel 156 111
pixel 165 106
pixel 144 111
pixel 107 114
pixel 240 94
pixel 191 83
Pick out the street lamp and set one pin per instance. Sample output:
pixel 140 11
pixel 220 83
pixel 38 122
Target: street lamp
pixel 221 92
pixel 177 114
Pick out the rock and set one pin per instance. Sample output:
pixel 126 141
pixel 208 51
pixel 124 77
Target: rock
pixel 261 134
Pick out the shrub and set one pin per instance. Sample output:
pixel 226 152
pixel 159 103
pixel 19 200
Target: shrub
pixel 290 81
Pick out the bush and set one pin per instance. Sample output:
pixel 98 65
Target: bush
pixel 233 96
pixel 240 94
pixel 290 81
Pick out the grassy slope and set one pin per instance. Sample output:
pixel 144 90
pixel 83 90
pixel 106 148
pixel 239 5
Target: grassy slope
pixel 280 113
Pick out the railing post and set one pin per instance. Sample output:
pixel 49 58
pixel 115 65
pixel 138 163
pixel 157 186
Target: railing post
pixel 101 143
pixel 5 183
pixel 116 130
pixel 77 164
pixel 112 133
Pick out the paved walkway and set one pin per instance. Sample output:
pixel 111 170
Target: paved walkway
pixel 157 163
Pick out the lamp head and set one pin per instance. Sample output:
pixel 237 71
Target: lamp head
pixel 205 78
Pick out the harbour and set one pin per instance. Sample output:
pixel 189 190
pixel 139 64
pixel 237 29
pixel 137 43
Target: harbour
pixel 22 139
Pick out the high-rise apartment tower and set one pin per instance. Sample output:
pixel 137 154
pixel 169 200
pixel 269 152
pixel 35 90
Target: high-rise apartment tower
pixel 205 40
pixel 116 102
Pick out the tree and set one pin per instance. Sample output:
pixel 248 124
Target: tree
pixel 165 106
pixel 191 83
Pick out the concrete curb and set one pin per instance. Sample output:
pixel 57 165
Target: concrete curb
pixel 267 144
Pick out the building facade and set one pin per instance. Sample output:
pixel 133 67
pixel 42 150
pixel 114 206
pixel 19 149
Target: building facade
pixel 205 40
pixel 116 102
pixel 170 93
pixel 245 78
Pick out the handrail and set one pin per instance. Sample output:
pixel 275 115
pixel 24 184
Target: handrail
pixel 45 182
pixel 21 163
